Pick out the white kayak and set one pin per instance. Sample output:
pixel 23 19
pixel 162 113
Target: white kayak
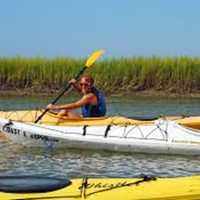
pixel 164 136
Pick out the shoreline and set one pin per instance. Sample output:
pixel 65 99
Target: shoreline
pixel 144 93
pixel 140 76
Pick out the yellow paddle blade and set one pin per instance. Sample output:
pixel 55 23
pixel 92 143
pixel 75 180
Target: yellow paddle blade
pixel 94 57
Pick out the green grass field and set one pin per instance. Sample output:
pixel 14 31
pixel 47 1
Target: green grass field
pixel 171 74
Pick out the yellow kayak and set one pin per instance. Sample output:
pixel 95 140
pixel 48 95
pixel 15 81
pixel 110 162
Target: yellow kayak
pixel 100 189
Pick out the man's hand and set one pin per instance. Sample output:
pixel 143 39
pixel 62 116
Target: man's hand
pixel 75 84
pixel 51 107
pixel 73 81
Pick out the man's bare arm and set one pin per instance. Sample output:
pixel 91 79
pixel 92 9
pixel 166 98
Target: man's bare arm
pixel 83 101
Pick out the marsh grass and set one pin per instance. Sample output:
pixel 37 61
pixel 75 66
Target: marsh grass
pixel 172 74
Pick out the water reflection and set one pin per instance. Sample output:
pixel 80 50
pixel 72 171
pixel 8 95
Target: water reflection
pixel 75 163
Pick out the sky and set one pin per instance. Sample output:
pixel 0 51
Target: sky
pixel 75 28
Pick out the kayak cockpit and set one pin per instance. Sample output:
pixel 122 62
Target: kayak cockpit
pixel 52 119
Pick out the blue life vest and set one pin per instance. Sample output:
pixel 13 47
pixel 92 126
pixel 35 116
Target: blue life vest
pixel 97 110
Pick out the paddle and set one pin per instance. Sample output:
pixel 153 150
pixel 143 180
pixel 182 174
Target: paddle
pixel 90 61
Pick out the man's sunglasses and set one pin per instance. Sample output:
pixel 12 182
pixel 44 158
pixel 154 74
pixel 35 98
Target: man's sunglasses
pixel 84 84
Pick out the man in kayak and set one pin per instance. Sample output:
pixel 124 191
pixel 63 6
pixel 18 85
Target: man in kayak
pixel 92 102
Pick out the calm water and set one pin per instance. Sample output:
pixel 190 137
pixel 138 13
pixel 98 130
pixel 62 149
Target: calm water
pixel 77 163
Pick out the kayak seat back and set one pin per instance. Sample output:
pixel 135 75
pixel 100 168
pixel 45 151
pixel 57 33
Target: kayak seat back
pixel 31 184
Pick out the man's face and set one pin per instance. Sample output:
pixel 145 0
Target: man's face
pixel 85 85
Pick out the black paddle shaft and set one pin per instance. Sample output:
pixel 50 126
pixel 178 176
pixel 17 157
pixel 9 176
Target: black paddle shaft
pixel 61 94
